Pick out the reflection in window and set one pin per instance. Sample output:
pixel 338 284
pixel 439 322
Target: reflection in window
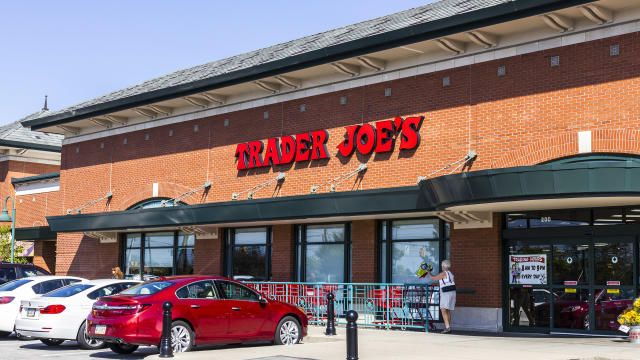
pixel 249 253
pixel 570 264
pixel 148 255
pixel 571 308
pixel 408 243
pixel 529 307
pixel 322 251
pixel 614 263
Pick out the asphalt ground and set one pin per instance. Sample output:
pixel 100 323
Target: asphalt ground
pixel 373 344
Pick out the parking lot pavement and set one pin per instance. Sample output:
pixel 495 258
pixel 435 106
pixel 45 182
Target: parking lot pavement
pixel 373 345
pixel 13 349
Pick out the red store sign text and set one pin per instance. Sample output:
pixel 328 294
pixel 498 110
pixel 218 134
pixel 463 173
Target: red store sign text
pixel 313 145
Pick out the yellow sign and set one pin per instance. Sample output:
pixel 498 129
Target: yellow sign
pixel 572 291
pixel 613 291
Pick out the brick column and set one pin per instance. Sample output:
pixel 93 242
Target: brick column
pixel 44 255
pixel 476 262
pixel 208 255
pixel 79 255
pixel 282 253
pixel 363 251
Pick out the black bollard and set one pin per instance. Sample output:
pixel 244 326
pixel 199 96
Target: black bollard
pixel 331 320
pixel 166 351
pixel 352 335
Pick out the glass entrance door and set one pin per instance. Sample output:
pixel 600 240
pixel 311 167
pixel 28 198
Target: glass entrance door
pixel 569 284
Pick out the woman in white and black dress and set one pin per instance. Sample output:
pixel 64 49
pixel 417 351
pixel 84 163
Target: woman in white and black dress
pixel 447 293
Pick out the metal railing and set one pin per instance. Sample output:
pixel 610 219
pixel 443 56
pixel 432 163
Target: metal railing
pixel 401 306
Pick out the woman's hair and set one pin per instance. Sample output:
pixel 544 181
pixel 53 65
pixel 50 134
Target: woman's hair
pixel 118 273
pixel 446 264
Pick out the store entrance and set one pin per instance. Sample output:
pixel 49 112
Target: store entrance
pixel 569 280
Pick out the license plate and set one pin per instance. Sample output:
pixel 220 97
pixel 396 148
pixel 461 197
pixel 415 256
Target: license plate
pixel 31 312
pixel 100 329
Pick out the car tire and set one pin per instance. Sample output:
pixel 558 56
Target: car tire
pixel 4 334
pixel 182 337
pixel 123 348
pixel 288 331
pixel 86 343
pixel 52 342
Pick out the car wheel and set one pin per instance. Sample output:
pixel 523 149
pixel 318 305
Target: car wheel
pixel 288 331
pixel 182 337
pixel 86 342
pixel 52 342
pixel 123 348
pixel 4 334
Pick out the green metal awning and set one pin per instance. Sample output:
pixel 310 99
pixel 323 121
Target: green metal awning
pixel 341 204
pixel 37 233
pixel 595 177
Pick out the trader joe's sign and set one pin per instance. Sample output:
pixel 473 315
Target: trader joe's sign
pixel 528 269
pixel 312 145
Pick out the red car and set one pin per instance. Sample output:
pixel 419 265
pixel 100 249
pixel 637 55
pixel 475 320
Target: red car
pixel 206 310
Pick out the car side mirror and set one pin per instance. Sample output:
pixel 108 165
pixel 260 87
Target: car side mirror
pixel 262 300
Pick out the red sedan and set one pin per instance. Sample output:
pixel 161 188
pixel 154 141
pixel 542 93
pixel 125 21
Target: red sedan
pixel 206 310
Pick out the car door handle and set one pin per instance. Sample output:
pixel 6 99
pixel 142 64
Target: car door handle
pixel 195 306
pixel 236 309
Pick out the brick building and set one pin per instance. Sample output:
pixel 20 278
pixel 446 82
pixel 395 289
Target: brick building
pixel 29 172
pixel 499 134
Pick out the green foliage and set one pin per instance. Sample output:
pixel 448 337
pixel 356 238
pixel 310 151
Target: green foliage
pixel 5 247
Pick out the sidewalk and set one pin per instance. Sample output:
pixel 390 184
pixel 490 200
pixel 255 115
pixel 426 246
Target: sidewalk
pixel 407 345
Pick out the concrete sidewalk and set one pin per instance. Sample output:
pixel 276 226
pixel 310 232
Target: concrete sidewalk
pixel 406 345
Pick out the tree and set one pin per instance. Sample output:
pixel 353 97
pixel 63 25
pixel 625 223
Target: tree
pixel 5 247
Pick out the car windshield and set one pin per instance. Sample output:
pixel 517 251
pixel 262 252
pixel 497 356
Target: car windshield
pixel 12 285
pixel 68 290
pixel 147 288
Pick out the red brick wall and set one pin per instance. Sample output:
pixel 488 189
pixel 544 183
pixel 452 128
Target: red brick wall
pixel 476 262
pixel 530 115
pixel 283 250
pixel 363 251
pixel 44 255
pixel 208 255
pixel 86 257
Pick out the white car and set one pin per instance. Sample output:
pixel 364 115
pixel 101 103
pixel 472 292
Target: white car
pixel 61 314
pixel 13 292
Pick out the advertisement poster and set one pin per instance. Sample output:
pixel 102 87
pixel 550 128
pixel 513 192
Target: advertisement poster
pixel 528 269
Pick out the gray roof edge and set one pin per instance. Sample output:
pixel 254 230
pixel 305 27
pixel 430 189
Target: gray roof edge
pixel 35 178
pixel 30 146
pixel 513 10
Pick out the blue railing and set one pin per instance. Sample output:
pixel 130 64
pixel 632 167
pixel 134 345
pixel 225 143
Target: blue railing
pixel 402 306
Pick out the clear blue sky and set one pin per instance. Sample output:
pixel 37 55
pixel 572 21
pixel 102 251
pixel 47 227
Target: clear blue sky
pixel 77 50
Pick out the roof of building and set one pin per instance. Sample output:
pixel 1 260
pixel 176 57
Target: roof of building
pixel 417 24
pixel 34 178
pixel 16 135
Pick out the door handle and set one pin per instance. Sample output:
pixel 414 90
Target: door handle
pixel 195 306
pixel 236 308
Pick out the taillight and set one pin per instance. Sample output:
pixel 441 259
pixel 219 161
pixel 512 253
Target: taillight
pixel 53 309
pixel 6 299
pixel 132 309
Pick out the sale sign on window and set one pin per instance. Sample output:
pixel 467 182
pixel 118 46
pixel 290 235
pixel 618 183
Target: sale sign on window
pixel 528 269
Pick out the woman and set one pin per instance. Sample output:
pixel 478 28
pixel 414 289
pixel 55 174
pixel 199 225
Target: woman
pixel 116 273
pixel 447 293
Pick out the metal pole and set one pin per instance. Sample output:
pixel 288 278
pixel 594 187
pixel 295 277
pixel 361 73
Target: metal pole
pixel 13 225
pixel 352 335
pixel 166 350
pixel 331 320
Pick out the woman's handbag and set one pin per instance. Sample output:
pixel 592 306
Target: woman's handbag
pixel 451 285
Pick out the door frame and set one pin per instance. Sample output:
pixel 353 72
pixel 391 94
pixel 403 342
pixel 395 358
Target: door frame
pixel 567 235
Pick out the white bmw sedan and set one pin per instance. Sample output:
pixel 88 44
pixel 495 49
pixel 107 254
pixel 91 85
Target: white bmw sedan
pixel 12 292
pixel 61 314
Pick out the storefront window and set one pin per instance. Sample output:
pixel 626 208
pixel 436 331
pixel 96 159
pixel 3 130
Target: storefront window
pixel 405 244
pixel 570 264
pixel 614 263
pixel 323 253
pixel 572 217
pixel 249 253
pixel 160 254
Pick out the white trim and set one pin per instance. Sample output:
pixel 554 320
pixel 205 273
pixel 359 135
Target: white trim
pixel 29 159
pixel 584 142
pixel 37 187
pixel 401 70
